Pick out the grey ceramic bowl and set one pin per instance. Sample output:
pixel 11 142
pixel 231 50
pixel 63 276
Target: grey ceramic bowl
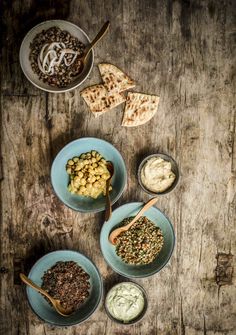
pixel 140 316
pixel 25 52
pixel 42 308
pixel 174 168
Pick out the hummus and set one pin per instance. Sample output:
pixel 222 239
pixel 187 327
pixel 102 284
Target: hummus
pixel 125 302
pixel 156 175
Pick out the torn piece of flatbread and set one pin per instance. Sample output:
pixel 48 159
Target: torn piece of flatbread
pixel 139 109
pixel 99 100
pixel 114 79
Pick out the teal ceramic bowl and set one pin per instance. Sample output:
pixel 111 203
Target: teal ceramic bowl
pixel 42 308
pixel 137 271
pixel 60 178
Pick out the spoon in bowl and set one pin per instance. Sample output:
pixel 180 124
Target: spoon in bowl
pixel 110 168
pixel 100 34
pixel 115 233
pixel 55 302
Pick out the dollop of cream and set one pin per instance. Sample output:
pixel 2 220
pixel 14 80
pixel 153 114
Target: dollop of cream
pixel 125 302
pixel 156 175
pixel 52 55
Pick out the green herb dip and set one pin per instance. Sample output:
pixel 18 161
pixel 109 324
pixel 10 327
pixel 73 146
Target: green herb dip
pixel 125 302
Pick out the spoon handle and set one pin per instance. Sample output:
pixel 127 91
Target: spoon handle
pixel 108 202
pixel 113 235
pixel 102 32
pixel 149 204
pixel 29 282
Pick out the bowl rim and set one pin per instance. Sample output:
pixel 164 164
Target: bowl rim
pixel 138 203
pixel 119 193
pixel 140 316
pixel 21 55
pixel 101 289
pixel 172 186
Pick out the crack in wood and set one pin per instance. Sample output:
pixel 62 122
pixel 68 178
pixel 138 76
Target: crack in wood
pixel 1 168
pixel 23 95
pixel 49 125
pixel 204 325
pixel 182 325
pixel 224 269
pixel 200 253
pixel 47 118
pixel 233 168
pixel 1 158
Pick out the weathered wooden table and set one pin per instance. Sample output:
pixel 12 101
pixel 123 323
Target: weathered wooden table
pixel 183 51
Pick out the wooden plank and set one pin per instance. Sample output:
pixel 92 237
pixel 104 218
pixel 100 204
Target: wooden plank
pixel 182 51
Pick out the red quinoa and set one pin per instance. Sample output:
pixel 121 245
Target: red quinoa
pixel 68 282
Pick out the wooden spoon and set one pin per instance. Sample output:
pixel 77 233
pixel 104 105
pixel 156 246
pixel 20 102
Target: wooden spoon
pixel 117 231
pixel 110 168
pixel 100 34
pixel 55 302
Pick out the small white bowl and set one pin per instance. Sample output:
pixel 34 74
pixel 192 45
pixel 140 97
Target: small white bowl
pixel 25 52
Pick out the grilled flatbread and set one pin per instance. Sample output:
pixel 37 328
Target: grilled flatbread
pixel 99 100
pixel 114 79
pixel 139 109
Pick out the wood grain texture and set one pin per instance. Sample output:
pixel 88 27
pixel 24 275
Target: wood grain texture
pixel 183 51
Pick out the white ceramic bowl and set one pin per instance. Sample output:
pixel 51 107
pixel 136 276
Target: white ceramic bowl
pixel 25 52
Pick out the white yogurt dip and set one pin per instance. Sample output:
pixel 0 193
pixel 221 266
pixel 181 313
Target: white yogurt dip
pixel 156 175
pixel 125 302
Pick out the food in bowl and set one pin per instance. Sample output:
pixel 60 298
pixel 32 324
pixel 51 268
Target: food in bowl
pixel 156 175
pixel 88 174
pixel 141 243
pixel 125 302
pixel 67 282
pixel 55 56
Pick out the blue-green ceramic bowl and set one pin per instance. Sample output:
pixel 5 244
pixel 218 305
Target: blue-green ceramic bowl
pixel 42 308
pixel 60 178
pixel 137 271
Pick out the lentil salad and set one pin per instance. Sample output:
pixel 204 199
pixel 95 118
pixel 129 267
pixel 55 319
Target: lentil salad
pixel 141 243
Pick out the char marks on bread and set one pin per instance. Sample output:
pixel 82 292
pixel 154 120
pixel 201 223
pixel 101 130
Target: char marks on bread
pixel 114 79
pixel 99 100
pixel 139 109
